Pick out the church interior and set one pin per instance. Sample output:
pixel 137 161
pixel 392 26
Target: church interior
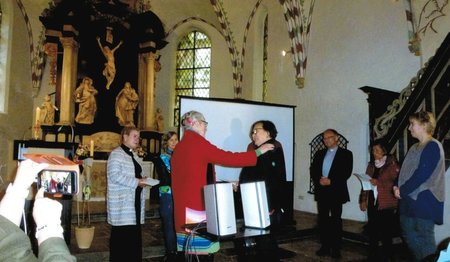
pixel 73 73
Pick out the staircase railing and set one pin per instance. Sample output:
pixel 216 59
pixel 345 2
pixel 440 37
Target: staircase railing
pixel 429 90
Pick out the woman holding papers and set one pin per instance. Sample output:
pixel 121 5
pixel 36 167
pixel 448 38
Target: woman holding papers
pixel 421 187
pixel 381 206
pixel 125 198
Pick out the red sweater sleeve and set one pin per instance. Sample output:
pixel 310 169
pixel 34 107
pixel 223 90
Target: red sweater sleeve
pixel 189 164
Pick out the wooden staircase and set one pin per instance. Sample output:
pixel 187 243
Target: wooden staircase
pixel 429 90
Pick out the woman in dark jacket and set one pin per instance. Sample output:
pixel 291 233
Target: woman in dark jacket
pixel 162 165
pixel 269 168
pixel 382 208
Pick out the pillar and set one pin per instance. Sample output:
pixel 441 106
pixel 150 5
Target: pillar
pixel 68 80
pixel 147 91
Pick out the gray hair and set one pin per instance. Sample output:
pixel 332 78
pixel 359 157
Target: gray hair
pixel 189 118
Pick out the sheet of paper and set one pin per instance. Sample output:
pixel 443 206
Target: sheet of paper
pixel 366 185
pixel 365 181
pixel 151 181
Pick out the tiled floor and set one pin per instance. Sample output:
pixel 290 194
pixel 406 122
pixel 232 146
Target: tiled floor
pixel 300 239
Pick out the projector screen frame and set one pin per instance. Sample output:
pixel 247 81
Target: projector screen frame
pixel 202 105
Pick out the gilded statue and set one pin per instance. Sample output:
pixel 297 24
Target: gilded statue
pixel 126 102
pixel 159 120
pixel 85 97
pixel 48 111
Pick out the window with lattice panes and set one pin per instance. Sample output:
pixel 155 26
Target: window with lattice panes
pixel 193 68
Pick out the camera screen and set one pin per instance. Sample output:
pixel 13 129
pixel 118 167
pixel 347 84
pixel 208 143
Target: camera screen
pixel 57 181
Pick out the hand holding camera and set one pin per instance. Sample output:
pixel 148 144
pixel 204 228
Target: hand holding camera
pixel 12 203
pixel 26 174
pixel 47 215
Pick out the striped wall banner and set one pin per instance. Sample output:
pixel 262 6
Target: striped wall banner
pixel 37 60
pixel 244 42
pixel 413 40
pixel 299 26
pixel 235 58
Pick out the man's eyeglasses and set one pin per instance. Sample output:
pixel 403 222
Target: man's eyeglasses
pixel 328 137
pixel 204 122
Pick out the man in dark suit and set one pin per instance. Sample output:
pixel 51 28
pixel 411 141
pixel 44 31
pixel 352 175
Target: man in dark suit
pixel 330 170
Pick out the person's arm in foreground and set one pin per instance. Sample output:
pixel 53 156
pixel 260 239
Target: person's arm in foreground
pixel 14 242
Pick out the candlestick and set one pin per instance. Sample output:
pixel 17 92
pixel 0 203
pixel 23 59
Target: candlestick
pixel 36 132
pixel 38 115
pixel 91 151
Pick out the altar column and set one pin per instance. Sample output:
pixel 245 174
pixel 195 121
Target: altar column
pixel 147 91
pixel 68 80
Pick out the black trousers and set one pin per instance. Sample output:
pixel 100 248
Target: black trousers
pixel 381 227
pixel 125 243
pixel 330 224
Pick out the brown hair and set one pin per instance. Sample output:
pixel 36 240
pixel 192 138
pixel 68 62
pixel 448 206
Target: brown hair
pixel 425 118
pixel 126 131
pixel 165 139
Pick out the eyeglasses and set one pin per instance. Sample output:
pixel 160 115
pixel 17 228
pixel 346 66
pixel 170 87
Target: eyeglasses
pixel 204 122
pixel 328 137
pixel 255 130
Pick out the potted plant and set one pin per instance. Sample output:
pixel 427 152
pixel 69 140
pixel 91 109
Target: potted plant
pixel 84 231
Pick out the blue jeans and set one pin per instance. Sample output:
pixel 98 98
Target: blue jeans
pixel 419 236
pixel 166 213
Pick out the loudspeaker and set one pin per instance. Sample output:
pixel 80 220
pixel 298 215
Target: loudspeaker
pixel 219 204
pixel 254 204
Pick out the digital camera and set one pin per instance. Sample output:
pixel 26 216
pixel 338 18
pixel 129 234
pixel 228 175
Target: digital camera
pixel 61 176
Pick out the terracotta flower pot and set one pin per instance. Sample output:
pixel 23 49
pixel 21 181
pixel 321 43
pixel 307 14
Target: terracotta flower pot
pixel 84 236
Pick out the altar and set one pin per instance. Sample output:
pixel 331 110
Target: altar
pixel 98 179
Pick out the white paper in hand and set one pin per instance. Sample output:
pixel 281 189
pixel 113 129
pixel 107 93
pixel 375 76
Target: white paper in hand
pixel 365 181
pixel 150 181
pixel 366 185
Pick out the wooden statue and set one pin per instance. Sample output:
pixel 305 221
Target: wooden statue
pixel 47 113
pixel 126 102
pixel 85 97
pixel 110 67
pixel 159 120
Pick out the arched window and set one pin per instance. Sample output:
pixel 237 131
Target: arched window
pixel 193 68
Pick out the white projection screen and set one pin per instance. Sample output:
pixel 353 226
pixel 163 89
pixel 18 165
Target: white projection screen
pixel 229 127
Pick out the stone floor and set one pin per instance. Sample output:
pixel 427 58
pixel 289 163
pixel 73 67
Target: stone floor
pixel 300 239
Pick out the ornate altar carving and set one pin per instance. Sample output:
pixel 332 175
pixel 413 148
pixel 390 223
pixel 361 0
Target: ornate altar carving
pixel 105 141
pixel 104 40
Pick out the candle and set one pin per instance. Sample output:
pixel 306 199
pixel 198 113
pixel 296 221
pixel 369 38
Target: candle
pixel 38 115
pixel 91 151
